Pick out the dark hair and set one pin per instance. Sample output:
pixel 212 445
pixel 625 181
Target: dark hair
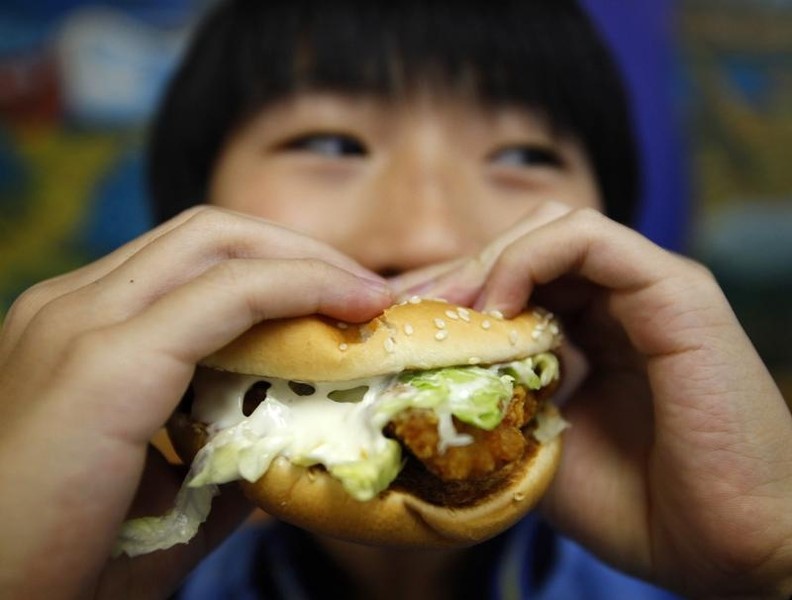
pixel 541 54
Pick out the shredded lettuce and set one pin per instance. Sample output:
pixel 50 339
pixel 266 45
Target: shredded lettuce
pixel 178 526
pixel 534 372
pixel 474 395
pixel 364 479
pixel 235 453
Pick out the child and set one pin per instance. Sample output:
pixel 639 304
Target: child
pixel 357 153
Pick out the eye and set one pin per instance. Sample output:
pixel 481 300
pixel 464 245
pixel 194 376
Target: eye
pixel 333 145
pixel 525 156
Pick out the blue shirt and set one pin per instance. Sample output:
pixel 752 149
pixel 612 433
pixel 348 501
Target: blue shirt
pixel 530 560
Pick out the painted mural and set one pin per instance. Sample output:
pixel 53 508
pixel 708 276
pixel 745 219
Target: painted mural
pixel 77 86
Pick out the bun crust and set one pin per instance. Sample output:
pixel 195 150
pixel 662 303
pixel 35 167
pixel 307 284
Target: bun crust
pixel 418 334
pixel 312 499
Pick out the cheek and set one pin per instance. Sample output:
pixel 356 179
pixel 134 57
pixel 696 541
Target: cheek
pixel 582 192
pixel 581 189
pixel 301 203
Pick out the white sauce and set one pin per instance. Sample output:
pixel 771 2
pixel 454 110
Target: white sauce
pixel 305 429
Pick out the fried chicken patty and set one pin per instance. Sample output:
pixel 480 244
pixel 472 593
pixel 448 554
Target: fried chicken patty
pixel 488 453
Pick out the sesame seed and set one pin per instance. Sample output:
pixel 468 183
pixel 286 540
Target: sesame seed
pixel 408 329
pixel 439 323
pixel 415 300
pixel 343 346
pixel 495 313
pixel 513 336
pixel 485 324
pixel 390 345
pixel 464 313
pixel 474 360
pixel 441 335
pixel 342 325
pixel 452 315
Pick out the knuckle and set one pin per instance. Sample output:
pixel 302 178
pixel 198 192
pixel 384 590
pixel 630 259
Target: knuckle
pixel 35 296
pixel 92 342
pixel 32 303
pixel 197 211
pixel 586 218
pixel 699 269
pixel 55 309
pixel 221 234
pixel 86 351
pixel 229 273
pixel 696 272
pixel 205 217
pixel 552 209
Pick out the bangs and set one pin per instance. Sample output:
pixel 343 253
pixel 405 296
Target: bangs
pixel 507 55
pixel 543 55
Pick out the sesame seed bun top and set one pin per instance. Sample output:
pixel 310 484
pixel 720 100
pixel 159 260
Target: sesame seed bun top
pixel 416 334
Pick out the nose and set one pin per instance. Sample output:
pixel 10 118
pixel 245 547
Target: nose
pixel 418 213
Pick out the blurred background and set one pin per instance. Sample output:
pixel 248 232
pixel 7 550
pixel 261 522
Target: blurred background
pixel 711 82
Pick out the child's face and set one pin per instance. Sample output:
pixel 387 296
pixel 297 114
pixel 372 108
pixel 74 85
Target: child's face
pixel 398 186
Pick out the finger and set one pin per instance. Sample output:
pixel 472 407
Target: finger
pixel 582 243
pixel 118 286
pixel 166 340
pixel 209 226
pixel 232 296
pixel 418 281
pixel 463 283
pixel 670 309
pixel 208 239
pixel 28 304
pixel 644 283
pixel 541 214
pixel 212 235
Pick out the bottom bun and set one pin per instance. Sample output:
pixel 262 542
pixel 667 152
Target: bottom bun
pixel 308 497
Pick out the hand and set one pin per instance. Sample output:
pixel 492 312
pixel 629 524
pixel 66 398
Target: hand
pixel 678 464
pixel 93 362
